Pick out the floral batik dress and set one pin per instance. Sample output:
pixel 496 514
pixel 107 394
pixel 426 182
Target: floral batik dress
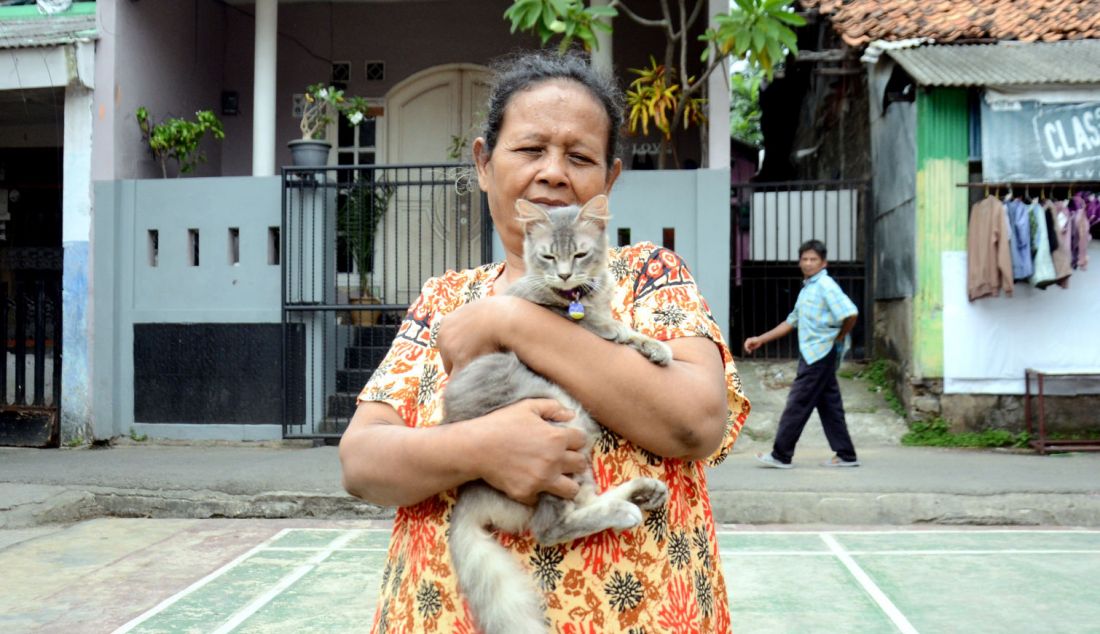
pixel 661 577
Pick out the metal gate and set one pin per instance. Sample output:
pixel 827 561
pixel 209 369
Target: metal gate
pixel 356 244
pixel 30 365
pixel 770 221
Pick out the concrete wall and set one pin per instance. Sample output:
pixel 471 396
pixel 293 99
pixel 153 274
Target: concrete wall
pixel 129 289
pixel 979 412
pixel 696 204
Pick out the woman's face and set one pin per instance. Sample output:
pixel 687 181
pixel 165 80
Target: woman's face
pixel 551 149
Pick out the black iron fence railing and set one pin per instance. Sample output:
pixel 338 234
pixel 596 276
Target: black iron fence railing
pixel 770 221
pixel 30 329
pixel 356 244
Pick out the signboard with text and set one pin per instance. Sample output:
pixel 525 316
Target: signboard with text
pixel 1028 141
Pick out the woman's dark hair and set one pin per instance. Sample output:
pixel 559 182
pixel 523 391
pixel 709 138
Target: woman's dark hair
pixel 525 70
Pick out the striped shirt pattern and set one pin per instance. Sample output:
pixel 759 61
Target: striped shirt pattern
pixel 818 314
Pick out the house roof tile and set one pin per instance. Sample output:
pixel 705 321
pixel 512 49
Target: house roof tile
pixel 862 21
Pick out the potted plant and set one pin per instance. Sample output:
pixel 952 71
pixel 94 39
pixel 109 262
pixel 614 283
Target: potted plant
pixel 321 107
pixel 323 104
pixel 365 203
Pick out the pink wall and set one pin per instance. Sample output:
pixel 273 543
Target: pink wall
pixel 168 57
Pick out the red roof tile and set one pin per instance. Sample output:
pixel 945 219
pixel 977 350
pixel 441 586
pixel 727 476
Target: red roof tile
pixel 861 21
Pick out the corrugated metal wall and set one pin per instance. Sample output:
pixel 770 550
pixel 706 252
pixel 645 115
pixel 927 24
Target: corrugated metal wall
pixel 942 148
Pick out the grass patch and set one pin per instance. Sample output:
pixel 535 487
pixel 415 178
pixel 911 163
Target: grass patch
pixel 136 437
pixel 937 433
pixel 877 373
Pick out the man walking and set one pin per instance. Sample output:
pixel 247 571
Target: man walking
pixel 824 316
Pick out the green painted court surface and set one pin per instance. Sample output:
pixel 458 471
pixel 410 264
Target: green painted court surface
pixel 325 580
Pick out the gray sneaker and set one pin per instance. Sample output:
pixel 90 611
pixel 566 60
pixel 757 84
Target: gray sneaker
pixel 837 462
pixel 769 460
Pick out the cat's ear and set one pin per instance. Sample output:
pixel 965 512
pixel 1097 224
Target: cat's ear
pixel 528 212
pixel 595 211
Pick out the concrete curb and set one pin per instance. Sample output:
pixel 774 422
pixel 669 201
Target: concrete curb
pixel 54 505
pixel 896 508
pixel 67 505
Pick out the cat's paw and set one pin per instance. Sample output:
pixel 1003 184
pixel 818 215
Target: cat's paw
pixel 656 351
pixel 649 494
pixel 624 515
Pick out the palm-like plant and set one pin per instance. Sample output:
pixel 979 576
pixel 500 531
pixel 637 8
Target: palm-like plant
pixel 365 204
pixel 654 96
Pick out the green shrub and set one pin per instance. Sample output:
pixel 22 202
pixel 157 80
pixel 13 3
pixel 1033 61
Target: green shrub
pixel 178 139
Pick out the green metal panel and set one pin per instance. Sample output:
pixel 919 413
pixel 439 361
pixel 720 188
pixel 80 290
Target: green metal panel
pixel 942 134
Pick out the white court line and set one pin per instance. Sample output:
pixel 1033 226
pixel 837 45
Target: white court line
pixel 160 607
pixel 240 616
pixel 946 531
pixel 877 553
pixel 353 549
pixel 879 597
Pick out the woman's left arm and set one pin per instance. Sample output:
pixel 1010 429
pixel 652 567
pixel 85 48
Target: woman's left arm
pixel 676 411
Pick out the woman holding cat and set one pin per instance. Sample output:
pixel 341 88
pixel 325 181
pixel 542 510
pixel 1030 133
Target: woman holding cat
pixel 551 131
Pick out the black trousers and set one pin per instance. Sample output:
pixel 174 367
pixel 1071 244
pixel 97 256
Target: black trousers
pixel 815 386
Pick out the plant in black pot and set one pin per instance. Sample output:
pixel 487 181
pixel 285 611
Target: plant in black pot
pixel 364 206
pixel 320 108
pixel 322 105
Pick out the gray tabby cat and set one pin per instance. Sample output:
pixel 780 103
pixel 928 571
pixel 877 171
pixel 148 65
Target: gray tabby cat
pixel 565 252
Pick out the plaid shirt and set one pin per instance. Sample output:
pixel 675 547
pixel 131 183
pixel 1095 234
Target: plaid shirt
pixel 820 310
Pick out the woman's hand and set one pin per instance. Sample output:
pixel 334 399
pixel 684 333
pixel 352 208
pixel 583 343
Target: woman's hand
pixel 473 330
pixel 524 455
pixel 515 449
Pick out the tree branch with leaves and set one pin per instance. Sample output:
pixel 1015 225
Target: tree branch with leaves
pixel 666 93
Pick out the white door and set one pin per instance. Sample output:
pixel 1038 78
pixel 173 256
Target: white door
pixel 434 220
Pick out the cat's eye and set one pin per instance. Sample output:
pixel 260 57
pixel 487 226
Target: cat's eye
pixel 547 256
pixel 582 254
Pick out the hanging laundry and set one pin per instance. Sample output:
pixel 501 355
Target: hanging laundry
pixel 1042 263
pixel 1083 239
pixel 1020 224
pixel 1058 224
pixel 989 263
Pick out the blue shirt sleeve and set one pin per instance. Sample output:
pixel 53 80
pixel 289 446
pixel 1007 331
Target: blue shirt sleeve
pixel 840 305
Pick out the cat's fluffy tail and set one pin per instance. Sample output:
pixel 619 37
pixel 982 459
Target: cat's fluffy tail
pixel 500 593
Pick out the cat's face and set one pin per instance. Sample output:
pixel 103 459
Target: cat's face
pixel 565 247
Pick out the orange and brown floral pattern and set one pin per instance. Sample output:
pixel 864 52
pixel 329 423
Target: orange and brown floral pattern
pixel 663 576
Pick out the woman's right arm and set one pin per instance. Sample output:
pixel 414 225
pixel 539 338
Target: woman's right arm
pixel 514 449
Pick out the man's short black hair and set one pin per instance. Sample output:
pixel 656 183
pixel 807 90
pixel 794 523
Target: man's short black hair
pixel 817 246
